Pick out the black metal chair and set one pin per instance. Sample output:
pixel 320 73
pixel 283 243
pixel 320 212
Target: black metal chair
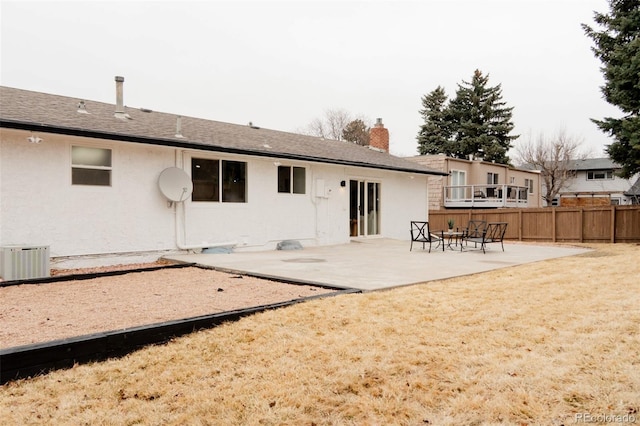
pixel 420 234
pixel 493 233
pixel 474 229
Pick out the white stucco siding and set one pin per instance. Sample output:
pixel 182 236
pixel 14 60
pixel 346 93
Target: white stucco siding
pixel 319 216
pixel 403 199
pixel 331 203
pixel 44 208
pixel 266 217
pixel 40 206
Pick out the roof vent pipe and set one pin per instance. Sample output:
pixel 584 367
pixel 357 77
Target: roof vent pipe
pixel 179 127
pixel 119 96
pixel 82 108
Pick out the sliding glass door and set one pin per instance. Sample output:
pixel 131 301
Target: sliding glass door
pixel 364 208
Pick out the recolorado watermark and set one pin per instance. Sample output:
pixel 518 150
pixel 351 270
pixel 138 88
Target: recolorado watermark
pixel 606 418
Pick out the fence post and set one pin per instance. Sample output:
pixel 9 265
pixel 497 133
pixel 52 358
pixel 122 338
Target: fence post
pixel 520 225
pixel 553 224
pixel 613 224
pixel 581 222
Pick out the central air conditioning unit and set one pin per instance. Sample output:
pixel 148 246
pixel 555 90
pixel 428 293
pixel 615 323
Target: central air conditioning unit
pixel 24 262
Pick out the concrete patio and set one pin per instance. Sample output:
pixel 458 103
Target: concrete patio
pixel 374 264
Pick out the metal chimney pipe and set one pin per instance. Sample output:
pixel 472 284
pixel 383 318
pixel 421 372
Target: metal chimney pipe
pixel 119 95
pixel 179 127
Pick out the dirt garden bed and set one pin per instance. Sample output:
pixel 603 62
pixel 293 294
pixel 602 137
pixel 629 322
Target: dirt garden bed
pixel 36 313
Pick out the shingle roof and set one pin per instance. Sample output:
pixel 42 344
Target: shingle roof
pixel 594 164
pixel 37 111
pixel 634 190
pixel 584 164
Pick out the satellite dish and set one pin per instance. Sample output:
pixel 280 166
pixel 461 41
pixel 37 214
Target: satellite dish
pixel 175 184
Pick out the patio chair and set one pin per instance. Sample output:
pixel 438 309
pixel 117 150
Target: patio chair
pixel 493 233
pixel 420 234
pixel 474 229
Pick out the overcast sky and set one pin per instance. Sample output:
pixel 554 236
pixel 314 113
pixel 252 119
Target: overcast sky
pixel 282 64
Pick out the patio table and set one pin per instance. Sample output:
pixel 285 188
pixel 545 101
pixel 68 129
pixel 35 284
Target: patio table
pixel 449 238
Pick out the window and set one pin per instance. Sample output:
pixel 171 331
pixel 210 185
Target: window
pixel 512 180
pixel 234 181
pixel 529 184
pixel 599 174
pixel 214 177
pixel 458 179
pixel 615 201
pixel 492 178
pixel 292 179
pixel 205 175
pixel 90 166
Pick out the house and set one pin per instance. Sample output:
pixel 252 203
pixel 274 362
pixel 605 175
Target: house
pixel 92 180
pixel 594 182
pixel 633 193
pixel 479 184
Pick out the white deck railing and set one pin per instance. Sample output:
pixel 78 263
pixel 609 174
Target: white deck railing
pixel 485 196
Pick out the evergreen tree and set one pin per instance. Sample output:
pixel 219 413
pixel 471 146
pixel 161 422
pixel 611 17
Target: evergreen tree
pixel 476 122
pixel 482 120
pixel 618 48
pixel 357 132
pixel 434 134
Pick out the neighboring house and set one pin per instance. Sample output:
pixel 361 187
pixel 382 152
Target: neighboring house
pixel 82 178
pixel 594 183
pixel 634 192
pixel 479 184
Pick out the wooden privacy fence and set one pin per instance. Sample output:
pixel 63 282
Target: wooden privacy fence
pixel 610 224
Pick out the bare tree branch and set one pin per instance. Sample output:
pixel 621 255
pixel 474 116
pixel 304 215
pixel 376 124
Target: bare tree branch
pixel 337 120
pixel 331 126
pixel 554 158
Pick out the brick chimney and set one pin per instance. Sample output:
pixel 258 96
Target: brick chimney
pixel 379 136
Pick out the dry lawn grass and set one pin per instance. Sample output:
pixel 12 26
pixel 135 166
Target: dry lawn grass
pixel 534 344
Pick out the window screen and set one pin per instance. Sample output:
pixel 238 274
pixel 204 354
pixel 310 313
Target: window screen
pixel 211 178
pixel 90 166
pixel 292 180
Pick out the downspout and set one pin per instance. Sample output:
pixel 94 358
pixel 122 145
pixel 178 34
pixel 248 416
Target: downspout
pixel 314 201
pixel 426 184
pixel 179 161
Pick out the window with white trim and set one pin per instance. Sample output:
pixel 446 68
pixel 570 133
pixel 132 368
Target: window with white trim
pixel 458 179
pixel 492 178
pixel 90 166
pixel 529 184
pixel 292 180
pixel 218 180
pixel 599 174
